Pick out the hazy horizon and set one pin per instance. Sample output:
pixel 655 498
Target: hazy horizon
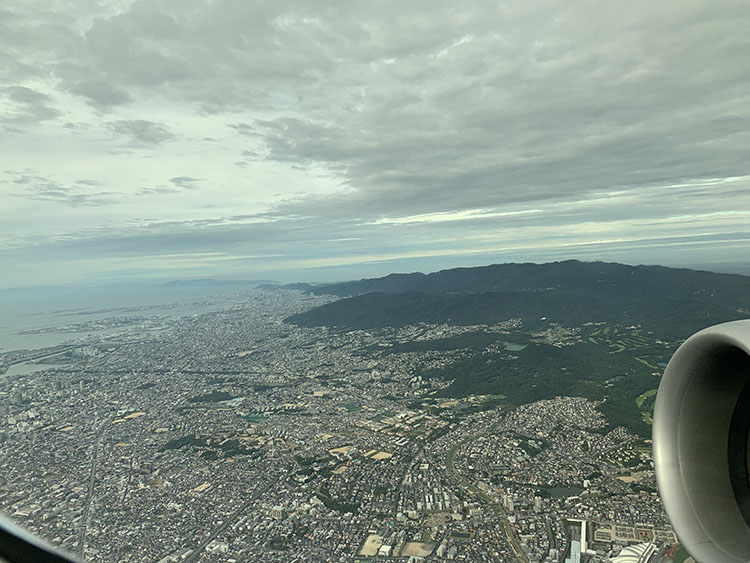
pixel 726 268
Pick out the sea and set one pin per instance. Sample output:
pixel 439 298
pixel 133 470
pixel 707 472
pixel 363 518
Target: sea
pixel 22 310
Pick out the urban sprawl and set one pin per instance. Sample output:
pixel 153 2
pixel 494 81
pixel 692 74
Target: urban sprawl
pixel 234 436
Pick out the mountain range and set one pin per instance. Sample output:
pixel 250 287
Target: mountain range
pixel 673 303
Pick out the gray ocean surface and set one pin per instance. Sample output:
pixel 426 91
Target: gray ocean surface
pixel 25 309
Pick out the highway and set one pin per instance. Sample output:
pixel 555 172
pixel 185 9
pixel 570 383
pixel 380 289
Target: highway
pixel 499 512
pixel 89 494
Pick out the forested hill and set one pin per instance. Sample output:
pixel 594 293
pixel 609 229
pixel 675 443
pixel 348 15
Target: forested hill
pixel 375 310
pixel 673 303
pixel 604 280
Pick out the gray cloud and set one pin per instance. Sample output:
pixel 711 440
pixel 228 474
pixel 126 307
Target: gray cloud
pixel 158 190
pixel 448 107
pixel 178 185
pixel 184 181
pixel 567 110
pixel 517 121
pixel 140 132
pixel 26 106
pixel 243 128
pixel 100 94
pixel 667 223
pixel 42 188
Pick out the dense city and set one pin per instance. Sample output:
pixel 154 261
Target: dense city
pixel 232 435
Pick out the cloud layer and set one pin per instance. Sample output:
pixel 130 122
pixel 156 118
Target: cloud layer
pixel 312 140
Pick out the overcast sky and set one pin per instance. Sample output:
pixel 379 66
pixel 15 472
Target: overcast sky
pixel 301 140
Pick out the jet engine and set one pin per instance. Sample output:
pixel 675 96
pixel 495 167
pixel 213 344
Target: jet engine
pixel 701 434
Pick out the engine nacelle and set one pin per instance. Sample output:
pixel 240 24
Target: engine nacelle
pixel 701 431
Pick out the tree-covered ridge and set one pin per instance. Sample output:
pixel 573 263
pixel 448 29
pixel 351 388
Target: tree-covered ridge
pixel 611 282
pixel 667 318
